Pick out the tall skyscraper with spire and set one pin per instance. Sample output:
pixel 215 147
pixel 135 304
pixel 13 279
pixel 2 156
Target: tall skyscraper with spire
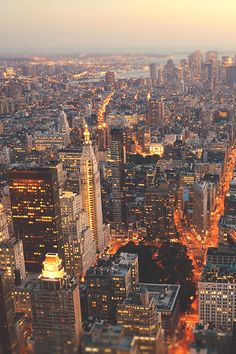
pixel 91 191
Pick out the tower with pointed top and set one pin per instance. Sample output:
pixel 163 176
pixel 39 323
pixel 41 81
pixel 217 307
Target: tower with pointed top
pixel 91 191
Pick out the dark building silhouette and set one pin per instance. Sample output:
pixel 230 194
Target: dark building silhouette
pixel 8 340
pixel 159 208
pixel 117 150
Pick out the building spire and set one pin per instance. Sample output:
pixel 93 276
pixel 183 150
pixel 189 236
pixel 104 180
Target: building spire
pixel 86 135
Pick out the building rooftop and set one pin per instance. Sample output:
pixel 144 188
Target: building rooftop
pixel 228 221
pixel 164 295
pixel 222 274
pixel 222 249
pixel 102 336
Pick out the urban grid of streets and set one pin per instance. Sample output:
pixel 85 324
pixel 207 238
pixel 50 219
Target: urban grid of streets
pixel 197 250
pixel 196 246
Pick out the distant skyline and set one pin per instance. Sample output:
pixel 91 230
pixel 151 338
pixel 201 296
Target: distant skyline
pixel 76 26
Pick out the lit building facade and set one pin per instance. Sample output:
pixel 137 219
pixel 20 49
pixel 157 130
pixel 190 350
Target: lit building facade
pixel 139 317
pixel 102 339
pixel 49 141
pixel 79 245
pixel 12 260
pixel 109 285
pixel 36 215
pixel 91 192
pixel 56 313
pixel 4 233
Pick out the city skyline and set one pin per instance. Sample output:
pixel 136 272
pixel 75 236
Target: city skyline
pixel 124 26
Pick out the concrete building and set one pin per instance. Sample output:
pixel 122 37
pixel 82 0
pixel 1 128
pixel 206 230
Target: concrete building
pixel 91 192
pixel 102 339
pixel 166 297
pixel 36 214
pixel 79 245
pixel 56 313
pixel 117 161
pixel 4 233
pixel 12 260
pixel 217 289
pixel 200 213
pixel 50 141
pixel 139 317
pixel 109 284
pixel 63 125
pixel 153 72
pixel 8 339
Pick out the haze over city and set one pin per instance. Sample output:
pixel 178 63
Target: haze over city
pixel 117 177
pixel 75 26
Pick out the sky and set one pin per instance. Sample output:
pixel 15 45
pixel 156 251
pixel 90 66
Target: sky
pixel 78 26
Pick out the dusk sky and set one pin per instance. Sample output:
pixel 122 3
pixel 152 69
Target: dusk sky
pixel 122 25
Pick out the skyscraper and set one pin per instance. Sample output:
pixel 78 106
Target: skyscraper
pixel 4 233
pixel 79 245
pixel 35 204
pixel 153 72
pixel 56 312
pixel 195 61
pixel 63 126
pixel 155 112
pixel 139 317
pixel 12 260
pixel 117 154
pixel 110 78
pixel 159 208
pixel 200 215
pixel 91 191
pixel 8 341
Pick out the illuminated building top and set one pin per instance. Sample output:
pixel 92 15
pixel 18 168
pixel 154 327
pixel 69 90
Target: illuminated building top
pixel 52 267
pixel 87 135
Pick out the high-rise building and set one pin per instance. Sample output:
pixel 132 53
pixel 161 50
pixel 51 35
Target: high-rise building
pixel 117 161
pixel 35 205
pixel 11 253
pixel 103 338
pixel 102 136
pixel 153 72
pixel 110 78
pixel 108 285
pixel 8 339
pixel 79 245
pixel 155 112
pixel 200 212
pixel 231 75
pixel 139 316
pixel 159 208
pixel 4 233
pixel 217 289
pixel 63 125
pixel 195 61
pixel 12 260
pixel 91 191
pixel 56 312
pixel 50 141
pixel 70 159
